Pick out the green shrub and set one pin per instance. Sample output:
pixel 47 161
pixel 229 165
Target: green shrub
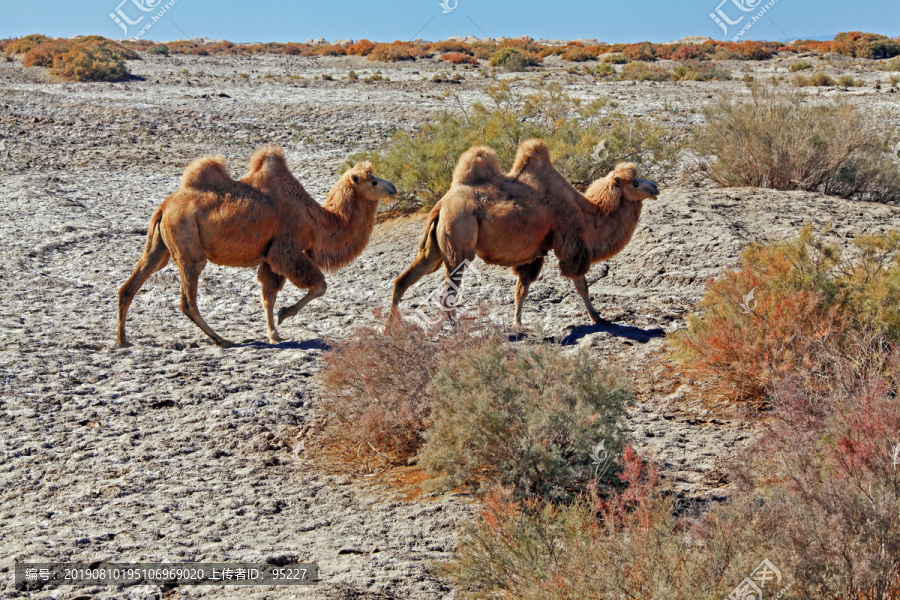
pixel 513 59
pixel 615 59
pixel 641 71
pixel 421 163
pixel 778 141
pixel 158 49
pixel 700 71
pixel 605 70
pixel 800 66
pixel 814 80
pixel 527 418
pixel 91 61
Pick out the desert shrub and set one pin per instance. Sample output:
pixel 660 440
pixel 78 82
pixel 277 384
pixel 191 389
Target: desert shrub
pixel 392 52
pixel 641 71
pixel 700 71
pixel 199 51
pixel 642 51
pixel 513 59
pixel 159 49
pixel 605 71
pixel 688 52
pixel 814 80
pixel 421 163
pixel 864 45
pixel 458 58
pixel 91 61
pixel 43 54
pixel 24 44
pixel 800 66
pixel 665 51
pixel 451 46
pixel 527 418
pixel 292 50
pixel 578 54
pixel 376 387
pixel 331 50
pixel 615 59
pixel 848 81
pixel 769 319
pixel 630 544
pixel 184 47
pixel 777 141
pixel 361 48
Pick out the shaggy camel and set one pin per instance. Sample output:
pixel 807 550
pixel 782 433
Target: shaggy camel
pixel 265 219
pixel 515 219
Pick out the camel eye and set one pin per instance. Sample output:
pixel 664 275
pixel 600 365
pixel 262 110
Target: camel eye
pixel 636 184
pixel 374 183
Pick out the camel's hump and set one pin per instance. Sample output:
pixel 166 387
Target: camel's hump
pixel 268 160
pixel 206 173
pixel 477 165
pixel 529 150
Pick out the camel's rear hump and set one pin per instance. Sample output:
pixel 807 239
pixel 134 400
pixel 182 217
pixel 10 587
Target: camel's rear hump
pixel 207 173
pixel 477 165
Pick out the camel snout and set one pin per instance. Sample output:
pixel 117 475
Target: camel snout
pixel 387 186
pixel 650 188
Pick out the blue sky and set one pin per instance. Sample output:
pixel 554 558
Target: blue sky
pixel 388 20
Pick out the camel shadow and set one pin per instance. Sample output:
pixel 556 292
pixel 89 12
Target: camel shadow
pixel 305 345
pixel 627 332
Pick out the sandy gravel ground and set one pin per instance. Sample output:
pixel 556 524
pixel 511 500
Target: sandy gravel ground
pixel 177 450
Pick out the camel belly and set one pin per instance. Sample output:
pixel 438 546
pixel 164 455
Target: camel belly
pixel 512 246
pixel 236 244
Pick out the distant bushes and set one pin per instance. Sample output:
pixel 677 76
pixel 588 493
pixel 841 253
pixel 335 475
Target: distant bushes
pixel 421 163
pixel 814 80
pixel 641 71
pixel 513 59
pixel 778 141
pixel 88 58
pixel 393 52
pixel 458 58
pixel 160 49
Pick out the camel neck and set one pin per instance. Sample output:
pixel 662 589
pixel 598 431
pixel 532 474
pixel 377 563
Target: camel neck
pixel 342 231
pixel 610 233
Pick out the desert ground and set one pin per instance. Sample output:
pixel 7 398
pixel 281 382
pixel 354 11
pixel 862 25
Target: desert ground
pixel 177 450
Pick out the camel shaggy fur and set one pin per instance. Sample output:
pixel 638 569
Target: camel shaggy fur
pixel 515 219
pixel 267 220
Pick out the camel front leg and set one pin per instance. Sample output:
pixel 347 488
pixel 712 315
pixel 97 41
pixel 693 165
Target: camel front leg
pixel 272 283
pixel 285 259
pixel 581 287
pixel 528 274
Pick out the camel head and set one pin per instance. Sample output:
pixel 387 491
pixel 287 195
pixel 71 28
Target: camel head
pixel 366 185
pixel 622 184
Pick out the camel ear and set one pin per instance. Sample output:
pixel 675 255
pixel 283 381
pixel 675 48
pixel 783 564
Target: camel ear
pixel 354 178
pixel 618 181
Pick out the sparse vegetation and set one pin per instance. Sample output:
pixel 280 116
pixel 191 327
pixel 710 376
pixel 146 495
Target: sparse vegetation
pixel 513 60
pixel 525 418
pixel 641 71
pixel 158 49
pixel 800 66
pixel 421 163
pixel 814 80
pixel 778 141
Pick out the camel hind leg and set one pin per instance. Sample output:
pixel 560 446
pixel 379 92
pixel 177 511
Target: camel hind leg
pixel 427 261
pixel 154 258
pixel 528 274
pixel 272 283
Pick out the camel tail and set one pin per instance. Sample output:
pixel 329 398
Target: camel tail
pixel 153 230
pixel 430 235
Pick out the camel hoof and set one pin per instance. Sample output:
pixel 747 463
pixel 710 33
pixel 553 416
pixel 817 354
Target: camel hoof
pixel 226 344
pixel 124 344
pixel 275 340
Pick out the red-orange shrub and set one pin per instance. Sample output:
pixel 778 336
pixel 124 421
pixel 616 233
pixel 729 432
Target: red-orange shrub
pixel 361 48
pixel 458 58
pixel 641 51
pixel 393 52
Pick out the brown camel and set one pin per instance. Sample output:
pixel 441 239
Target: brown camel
pixel 515 219
pixel 265 219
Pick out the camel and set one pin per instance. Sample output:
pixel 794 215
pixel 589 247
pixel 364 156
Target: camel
pixel 267 220
pixel 515 219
